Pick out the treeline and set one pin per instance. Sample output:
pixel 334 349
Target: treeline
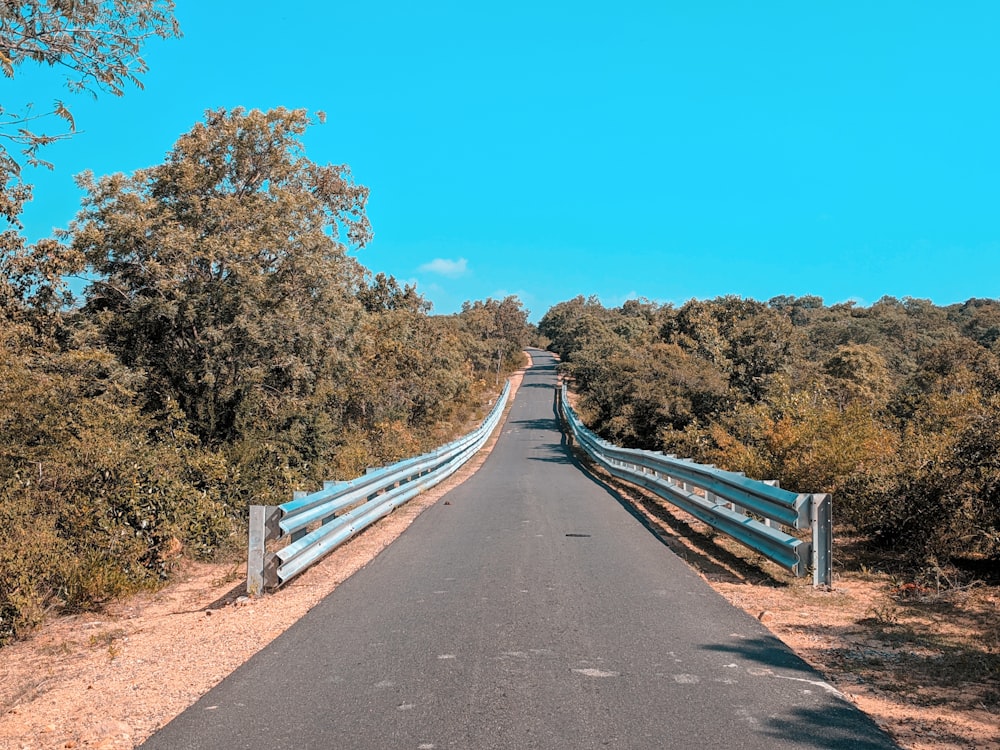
pixel 226 350
pixel 894 408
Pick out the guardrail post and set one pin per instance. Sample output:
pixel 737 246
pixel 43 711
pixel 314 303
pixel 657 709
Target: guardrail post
pixel 733 506
pixel 263 527
pixel 770 483
pixel 329 486
pixel 296 535
pixel 822 539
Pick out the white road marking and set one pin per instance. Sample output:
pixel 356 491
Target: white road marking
pixel 816 683
pixel 826 686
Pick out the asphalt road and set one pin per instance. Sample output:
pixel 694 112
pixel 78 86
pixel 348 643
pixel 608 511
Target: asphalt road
pixel 526 609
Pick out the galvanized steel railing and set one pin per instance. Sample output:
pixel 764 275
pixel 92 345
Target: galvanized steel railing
pixel 725 500
pixel 316 523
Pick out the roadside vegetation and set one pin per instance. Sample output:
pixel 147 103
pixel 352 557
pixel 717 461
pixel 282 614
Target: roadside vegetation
pixel 226 350
pixel 894 408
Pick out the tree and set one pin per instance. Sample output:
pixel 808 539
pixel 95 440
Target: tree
pixel 97 496
pixel 570 324
pixel 894 408
pixel 501 326
pixel 858 374
pixel 221 272
pixel 742 337
pixel 383 293
pixel 96 43
pixel 979 320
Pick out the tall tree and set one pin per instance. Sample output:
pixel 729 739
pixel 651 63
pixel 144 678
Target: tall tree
pixel 222 272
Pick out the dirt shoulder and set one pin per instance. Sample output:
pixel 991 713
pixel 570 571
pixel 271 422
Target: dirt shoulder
pixel 924 663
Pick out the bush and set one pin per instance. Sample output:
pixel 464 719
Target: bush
pixel 96 497
pixel 894 408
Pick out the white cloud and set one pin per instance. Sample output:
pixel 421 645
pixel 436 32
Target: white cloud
pixel 617 300
pixel 445 267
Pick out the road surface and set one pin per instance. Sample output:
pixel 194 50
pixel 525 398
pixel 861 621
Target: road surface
pixel 528 608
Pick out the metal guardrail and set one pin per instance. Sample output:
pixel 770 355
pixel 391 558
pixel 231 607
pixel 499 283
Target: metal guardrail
pixel 315 524
pixel 725 500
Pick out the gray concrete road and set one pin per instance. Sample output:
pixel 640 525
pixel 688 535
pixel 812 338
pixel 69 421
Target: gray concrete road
pixel 526 609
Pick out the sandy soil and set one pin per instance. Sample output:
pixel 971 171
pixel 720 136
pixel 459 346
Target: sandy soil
pixel 924 664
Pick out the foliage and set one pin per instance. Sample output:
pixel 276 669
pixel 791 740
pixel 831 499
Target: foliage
pixel 501 329
pixel 743 339
pixel 95 495
pixel 96 45
pixel 97 42
pixel 227 351
pixel 893 407
pixel 219 272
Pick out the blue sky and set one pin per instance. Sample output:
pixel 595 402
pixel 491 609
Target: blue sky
pixel 665 149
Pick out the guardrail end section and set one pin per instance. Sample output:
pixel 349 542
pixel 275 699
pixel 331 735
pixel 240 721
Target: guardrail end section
pixel 822 539
pixel 263 526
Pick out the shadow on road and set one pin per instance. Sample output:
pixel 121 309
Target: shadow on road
pixel 837 726
pixel 700 549
pixel 557 454
pixel 548 424
pixel 768 652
